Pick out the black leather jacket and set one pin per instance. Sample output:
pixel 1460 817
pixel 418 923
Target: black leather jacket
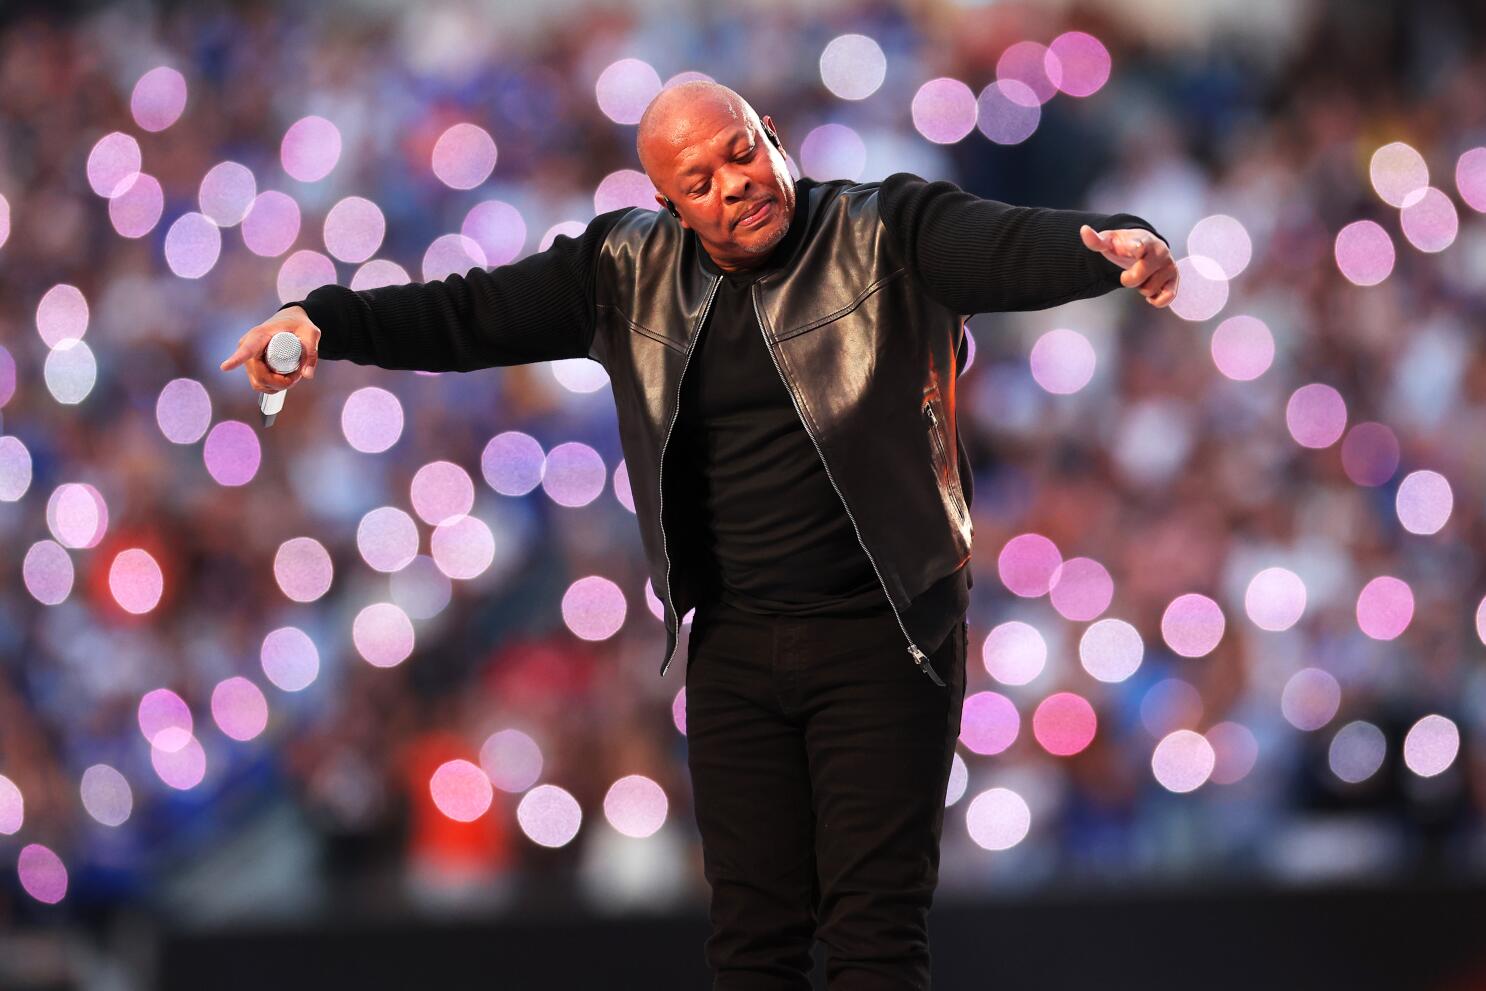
pixel 868 359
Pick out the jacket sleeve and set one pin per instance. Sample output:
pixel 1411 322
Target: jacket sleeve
pixel 977 255
pixel 540 308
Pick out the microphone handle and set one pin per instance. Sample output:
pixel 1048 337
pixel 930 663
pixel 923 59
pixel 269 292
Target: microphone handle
pixel 269 405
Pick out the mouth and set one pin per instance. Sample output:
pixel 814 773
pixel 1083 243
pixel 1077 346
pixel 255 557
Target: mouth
pixel 756 215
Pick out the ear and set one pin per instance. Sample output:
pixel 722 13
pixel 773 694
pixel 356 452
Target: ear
pixel 772 132
pixel 669 207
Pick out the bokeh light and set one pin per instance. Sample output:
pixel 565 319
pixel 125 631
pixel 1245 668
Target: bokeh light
pixel 1081 589
pixel 272 224
pixel 1310 699
pixel 1183 761
pixel 383 635
pixel 302 569
pixel 1370 454
pixel 354 229
pixel 1062 361
pixel 158 99
pixel 183 411
pixel 1027 564
pixel 989 722
pixel 594 608
pixel 106 795
pixel 1275 599
pixel 310 149
pixel 165 719
pixel 377 273
pixel 512 759
pixel 998 819
pixel 622 188
pixel 70 371
pixel 833 151
pixel 42 873
pixel 944 110
pixel 1316 415
pixel 442 490
pixel 192 245
pixel 1064 723
pixel 574 474
pixel 451 254
pixel 1364 253
pixel 1224 240
pixel 12 807
pixel 625 88
pixel 47 572
pixel 635 806
pixel 852 66
pixel 499 230
pixel 76 515
pixel 1384 607
pixel 1192 625
pixel 1111 650
pixel 1036 67
pixel 513 463
pixel 303 272
pixel 1235 752
pixel 239 708
pixel 462 547
pixel 1014 653
pixel 62 314
pixel 1429 221
pixel 227 192
pixel 136 581
pixel 461 790
pixel 549 816
pixel 1242 348
pixel 231 453
pixel 289 659
pixel 1470 178
pixel 136 205
pixel 1397 172
pixel 1357 751
pixel 15 469
pixel 464 156
pixel 371 419
pixel 1083 62
pixel 1202 290
pixel 1431 745
pixel 114 161
pixel 1424 502
pixel 1007 112
pixel 182 768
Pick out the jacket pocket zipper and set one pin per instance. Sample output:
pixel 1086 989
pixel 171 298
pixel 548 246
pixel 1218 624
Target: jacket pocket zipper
pixel 943 456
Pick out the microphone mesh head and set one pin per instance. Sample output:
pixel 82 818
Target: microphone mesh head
pixel 284 352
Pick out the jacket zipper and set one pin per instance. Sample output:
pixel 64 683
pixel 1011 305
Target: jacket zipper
pixel 954 496
pixel 919 657
pixel 661 471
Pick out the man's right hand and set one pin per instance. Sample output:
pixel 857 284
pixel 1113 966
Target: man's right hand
pixel 254 345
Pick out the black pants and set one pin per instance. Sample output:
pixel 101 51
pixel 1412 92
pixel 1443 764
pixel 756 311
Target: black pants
pixel 819 757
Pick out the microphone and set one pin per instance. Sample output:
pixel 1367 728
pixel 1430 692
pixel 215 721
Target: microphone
pixel 283 356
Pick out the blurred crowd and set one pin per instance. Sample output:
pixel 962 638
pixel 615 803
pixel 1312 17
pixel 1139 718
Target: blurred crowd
pixel 1174 477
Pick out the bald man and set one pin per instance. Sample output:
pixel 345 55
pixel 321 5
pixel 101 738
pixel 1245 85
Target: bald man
pixel 783 357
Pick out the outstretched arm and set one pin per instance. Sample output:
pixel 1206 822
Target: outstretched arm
pixel 538 309
pixel 978 255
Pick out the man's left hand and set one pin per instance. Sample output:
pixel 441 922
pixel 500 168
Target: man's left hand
pixel 1149 267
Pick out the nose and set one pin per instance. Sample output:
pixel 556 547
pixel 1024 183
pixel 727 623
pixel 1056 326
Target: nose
pixel 736 185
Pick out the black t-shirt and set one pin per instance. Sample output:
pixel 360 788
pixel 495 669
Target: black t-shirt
pixel 769 530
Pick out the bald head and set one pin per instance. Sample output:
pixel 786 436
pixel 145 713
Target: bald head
pixel 678 113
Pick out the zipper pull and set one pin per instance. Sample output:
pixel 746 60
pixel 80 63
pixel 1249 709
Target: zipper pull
pixel 922 660
pixel 929 412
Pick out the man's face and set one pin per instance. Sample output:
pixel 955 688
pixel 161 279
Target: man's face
pixel 730 185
